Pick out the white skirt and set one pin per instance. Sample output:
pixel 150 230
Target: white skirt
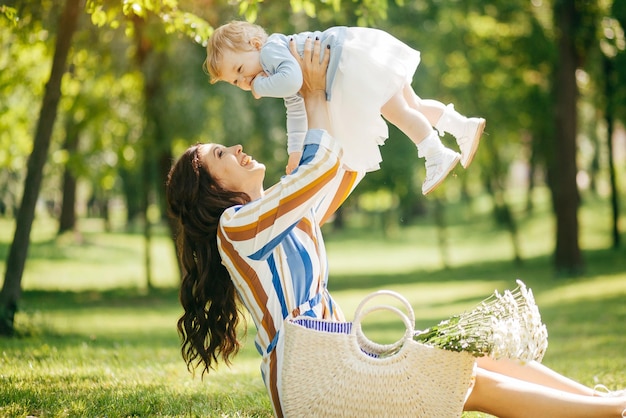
pixel 373 67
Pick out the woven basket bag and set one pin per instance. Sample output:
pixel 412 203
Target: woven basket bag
pixel 330 374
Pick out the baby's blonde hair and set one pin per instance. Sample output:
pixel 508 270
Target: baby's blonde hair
pixel 234 36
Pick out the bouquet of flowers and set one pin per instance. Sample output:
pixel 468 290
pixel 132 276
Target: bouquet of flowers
pixel 504 325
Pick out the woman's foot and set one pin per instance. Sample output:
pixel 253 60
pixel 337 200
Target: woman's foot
pixel 603 391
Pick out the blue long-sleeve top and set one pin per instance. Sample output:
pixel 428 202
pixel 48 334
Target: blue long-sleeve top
pixel 284 78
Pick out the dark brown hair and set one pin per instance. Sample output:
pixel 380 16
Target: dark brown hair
pixel 208 327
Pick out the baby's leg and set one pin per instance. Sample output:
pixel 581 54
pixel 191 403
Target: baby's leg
pixel 467 131
pixel 504 396
pixel 534 372
pixel 439 159
pixel 431 109
pixel 409 120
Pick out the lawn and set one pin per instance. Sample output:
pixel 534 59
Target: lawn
pixel 97 343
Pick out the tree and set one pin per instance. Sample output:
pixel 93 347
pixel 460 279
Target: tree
pixel 16 260
pixel 575 23
pixel 613 47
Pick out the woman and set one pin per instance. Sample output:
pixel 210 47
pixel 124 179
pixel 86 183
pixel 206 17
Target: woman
pixel 239 243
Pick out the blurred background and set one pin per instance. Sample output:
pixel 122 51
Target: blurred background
pixel 98 98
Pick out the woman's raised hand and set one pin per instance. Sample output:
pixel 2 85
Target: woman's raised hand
pixel 313 68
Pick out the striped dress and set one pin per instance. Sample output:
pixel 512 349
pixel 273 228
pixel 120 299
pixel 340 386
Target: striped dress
pixel 274 250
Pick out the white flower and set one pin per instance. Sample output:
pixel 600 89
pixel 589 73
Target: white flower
pixel 504 325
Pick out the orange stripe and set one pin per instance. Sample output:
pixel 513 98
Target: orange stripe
pixel 273 387
pixel 294 200
pixel 343 191
pixel 252 279
pixel 249 231
pixel 305 226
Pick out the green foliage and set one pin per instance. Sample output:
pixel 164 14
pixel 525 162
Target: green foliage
pixel 174 19
pixel 9 13
pixel 492 59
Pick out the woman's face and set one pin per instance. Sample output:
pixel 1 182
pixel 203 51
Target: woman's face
pixel 233 169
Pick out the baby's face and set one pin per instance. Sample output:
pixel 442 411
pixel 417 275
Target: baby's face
pixel 239 68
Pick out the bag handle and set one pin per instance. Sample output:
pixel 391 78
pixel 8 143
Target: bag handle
pixel 360 313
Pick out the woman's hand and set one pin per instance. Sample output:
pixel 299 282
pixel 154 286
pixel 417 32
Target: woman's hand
pixel 313 69
pixel 314 86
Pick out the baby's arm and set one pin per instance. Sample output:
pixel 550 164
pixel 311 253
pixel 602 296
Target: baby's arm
pixel 296 130
pixel 284 79
pixel 283 76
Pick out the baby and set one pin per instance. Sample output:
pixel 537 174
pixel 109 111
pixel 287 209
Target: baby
pixel 369 76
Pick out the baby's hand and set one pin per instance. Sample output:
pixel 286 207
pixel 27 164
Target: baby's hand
pixel 254 94
pixel 294 160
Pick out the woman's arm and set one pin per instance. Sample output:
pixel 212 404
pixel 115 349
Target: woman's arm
pixel 313 91
pixel 314 86
pixel 259 226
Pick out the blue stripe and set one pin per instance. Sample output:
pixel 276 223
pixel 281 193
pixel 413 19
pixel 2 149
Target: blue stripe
pixel 300 267
pixel 308 153
pixel 273 343
pixel 269 247
pixel 325 326
pixel 278 287
pixel 330 327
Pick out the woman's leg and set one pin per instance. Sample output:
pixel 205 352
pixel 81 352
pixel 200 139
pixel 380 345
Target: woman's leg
pixel 507 397
pixel 534 372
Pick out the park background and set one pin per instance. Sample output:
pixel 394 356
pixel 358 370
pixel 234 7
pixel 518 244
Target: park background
pixel 98 98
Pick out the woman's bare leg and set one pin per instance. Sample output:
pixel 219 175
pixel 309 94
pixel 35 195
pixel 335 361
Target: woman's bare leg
pixel 534 372
pixel 507 397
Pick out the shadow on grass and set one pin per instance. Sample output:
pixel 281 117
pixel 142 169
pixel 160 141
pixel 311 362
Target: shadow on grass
pixel 162 297
pixel 64 248
pixel 538 271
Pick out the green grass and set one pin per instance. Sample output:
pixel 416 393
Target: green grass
pixel 96 343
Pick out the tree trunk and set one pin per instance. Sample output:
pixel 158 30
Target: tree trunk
pixel 67 220
pixel 11 289
pixel 131 185
pixel 567 257
pixel 610 122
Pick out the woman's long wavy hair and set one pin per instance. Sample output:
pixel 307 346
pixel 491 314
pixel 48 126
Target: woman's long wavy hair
pixel 208 328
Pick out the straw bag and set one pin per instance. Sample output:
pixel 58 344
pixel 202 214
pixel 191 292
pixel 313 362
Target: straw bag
pixel 341 373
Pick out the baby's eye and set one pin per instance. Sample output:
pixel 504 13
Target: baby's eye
pixel 220 153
